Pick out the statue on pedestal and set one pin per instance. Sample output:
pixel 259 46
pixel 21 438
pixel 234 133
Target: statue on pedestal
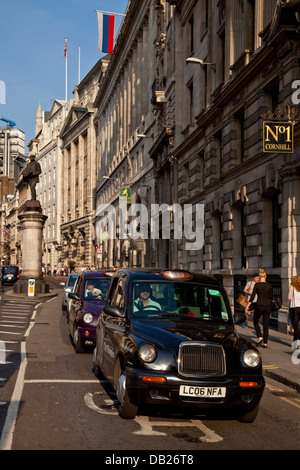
pixel 31 175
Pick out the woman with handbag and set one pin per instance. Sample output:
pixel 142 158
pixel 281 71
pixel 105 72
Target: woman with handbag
pixel 294 298
pixel 264 292
pixel 248 291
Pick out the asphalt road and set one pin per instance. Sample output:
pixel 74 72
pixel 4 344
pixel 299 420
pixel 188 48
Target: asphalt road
pixel 51 400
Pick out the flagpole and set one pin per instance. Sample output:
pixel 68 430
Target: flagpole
pixel 66 71
pixel 78 65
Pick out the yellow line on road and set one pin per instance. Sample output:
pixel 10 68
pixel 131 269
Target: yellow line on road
pixel 274 389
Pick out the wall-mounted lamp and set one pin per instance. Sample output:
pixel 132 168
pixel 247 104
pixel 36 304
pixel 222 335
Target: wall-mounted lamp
pixel 108 178
pixel 141 136
pixel 195 60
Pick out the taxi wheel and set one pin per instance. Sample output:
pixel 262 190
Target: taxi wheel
pixel 126 409
pixel 250 416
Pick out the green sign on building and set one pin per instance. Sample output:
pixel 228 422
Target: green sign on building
pixel 125 195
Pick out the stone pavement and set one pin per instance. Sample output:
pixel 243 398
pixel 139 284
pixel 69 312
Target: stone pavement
pixel 281 362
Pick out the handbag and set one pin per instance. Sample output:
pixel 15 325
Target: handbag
pixel 276 304
pixel 242 300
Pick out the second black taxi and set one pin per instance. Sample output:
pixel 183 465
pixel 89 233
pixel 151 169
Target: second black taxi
pixel 168 338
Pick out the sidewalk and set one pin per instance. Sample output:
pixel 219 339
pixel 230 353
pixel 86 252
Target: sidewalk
pixel 280 361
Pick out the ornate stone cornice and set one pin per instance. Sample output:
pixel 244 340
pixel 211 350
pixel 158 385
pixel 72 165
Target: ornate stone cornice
pixel 289 113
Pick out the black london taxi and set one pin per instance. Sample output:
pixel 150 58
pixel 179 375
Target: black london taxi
pixel 167 338
pixel 9 274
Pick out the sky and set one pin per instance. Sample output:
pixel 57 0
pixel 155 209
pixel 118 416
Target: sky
pixel 32 64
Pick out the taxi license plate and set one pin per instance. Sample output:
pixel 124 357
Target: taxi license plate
pixel 206 392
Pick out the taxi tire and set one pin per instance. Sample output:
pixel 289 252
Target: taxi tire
pixel 127 409
pixel 250 416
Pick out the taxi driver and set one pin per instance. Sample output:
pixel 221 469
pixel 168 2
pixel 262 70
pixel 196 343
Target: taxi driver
pixel 144 301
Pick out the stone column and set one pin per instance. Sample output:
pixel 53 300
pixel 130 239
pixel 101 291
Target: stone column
pixel 32 223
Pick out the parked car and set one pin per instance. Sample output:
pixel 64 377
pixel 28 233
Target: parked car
pixel 168 338
pixel 68 288
pixel 70 301
pixel 9 274
pixel 88 300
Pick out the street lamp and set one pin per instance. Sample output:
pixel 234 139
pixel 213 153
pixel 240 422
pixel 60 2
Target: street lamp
pixel 195 60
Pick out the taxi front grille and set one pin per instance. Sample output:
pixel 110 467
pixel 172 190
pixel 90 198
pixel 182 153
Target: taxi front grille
pixel 201 359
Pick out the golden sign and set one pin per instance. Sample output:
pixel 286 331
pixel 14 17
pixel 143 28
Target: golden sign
pixel 278 137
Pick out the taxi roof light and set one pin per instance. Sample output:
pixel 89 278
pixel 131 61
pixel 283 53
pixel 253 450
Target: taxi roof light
pixel 176 274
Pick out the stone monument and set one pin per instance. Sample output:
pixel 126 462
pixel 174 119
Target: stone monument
pixel 32 222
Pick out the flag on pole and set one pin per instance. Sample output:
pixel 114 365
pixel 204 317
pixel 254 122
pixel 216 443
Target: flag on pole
pixel 106 27
pixel 66 48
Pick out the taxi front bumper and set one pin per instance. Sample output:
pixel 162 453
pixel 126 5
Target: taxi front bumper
pixel 227 393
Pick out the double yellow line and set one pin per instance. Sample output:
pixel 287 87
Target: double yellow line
pixel 279 390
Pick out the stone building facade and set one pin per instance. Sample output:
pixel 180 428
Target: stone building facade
pixel 47 147
pixel 250 197
pixel 129 122
pixel 12 161
pixel 203 122
pixel 79 172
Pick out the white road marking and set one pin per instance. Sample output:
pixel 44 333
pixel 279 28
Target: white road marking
pixel 29 329
pixel 14 322
pixel 146 427
pixel 88 399
pixel 10 421
pixel 9 333
pixel 12 412
pixel 67 381
pixel 20 317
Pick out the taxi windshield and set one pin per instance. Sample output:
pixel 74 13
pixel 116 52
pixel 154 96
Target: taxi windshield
pixel 179 300
pixel 96 288
pixel 9 269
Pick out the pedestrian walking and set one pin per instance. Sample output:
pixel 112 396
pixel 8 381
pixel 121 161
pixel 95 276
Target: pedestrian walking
pixel 248 290
pixel 264 292
pixel 294 298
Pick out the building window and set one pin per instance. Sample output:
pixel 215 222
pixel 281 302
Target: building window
pixel 191 35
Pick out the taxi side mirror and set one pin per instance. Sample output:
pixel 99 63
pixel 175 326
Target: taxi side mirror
pixel 113 310
pixel 73 296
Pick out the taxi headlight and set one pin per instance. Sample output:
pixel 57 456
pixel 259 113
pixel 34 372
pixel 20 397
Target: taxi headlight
pixel 88 318
pixel 251 358
pixel 147 352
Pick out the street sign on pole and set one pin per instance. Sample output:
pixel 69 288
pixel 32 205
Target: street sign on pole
pixel 31 287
